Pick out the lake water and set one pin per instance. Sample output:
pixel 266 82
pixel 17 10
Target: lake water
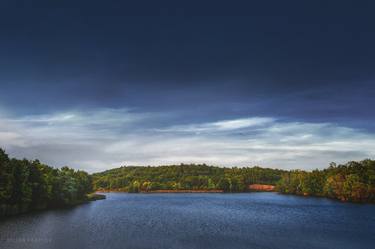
pixel 230 221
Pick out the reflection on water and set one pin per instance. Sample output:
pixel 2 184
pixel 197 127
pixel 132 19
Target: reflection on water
pixel 256 220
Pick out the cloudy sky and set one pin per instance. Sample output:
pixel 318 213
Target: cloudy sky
pixel 99 84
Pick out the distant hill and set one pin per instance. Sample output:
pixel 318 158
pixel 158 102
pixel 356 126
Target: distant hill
pixel 354 181
pixel 184 177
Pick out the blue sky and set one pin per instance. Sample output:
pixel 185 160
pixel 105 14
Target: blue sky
pixel 100 85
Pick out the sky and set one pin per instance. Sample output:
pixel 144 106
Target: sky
pixel 101 84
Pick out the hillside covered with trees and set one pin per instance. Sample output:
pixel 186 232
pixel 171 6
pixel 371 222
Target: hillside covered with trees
pixel 184 177
pixel 30 185
pixel 354 181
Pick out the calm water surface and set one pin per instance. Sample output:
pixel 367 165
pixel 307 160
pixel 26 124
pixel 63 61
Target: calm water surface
pixel 139 221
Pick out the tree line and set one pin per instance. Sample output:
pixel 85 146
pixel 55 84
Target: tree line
pixel 30 185
pixel 353 181
pixel 184 177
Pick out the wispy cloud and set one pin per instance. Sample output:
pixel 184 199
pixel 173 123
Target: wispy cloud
pixel 100 139
pixel 219 126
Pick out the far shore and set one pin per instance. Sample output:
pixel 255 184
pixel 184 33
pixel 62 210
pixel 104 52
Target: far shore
pixel 162 191
pixel 251 188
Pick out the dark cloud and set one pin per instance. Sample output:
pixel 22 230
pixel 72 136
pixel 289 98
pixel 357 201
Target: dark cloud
pixel 196 62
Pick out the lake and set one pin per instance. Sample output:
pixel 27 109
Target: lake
pixel 248 220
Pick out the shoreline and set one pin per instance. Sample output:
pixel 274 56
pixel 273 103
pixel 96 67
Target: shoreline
pixel 89 198
pixel 185 191
pixel 161 191
pixel 222 192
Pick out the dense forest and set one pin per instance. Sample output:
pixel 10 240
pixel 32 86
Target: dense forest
pixel 30 185
pixel 354 181
pixel 184 177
